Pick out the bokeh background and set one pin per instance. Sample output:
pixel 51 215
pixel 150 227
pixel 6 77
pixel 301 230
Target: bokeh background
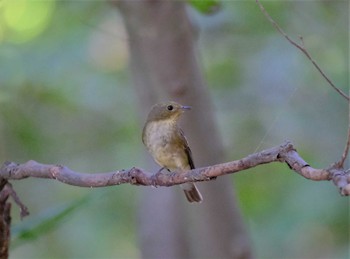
pixel 66 98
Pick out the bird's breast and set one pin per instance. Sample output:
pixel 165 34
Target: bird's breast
pixel 161 139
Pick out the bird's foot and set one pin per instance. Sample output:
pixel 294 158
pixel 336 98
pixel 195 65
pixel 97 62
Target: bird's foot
pixel 173 174
pixel 155 176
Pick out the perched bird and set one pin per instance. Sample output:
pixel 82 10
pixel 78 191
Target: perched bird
pixel 167 143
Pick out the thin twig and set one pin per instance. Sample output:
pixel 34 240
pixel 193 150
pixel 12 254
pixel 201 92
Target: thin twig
pixel 347 147
pixel 11 192
pixel 302 49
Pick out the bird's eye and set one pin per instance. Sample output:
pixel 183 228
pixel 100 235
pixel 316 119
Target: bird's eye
pixel 170 107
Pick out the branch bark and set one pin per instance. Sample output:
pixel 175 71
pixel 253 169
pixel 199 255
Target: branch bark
pixel 5 223
pixel 136 176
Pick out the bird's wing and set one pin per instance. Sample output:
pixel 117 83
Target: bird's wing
pixel 187 149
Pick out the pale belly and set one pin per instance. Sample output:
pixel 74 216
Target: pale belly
pixel 165 150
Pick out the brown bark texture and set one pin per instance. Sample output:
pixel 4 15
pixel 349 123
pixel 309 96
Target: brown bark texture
pixel 5 221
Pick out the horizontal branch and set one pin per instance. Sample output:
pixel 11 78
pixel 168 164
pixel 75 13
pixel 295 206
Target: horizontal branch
pixel 137 176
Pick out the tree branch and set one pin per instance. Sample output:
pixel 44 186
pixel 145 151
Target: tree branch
pixel 5 224
pixel 347 146
pixel 302 49
pixel 137 176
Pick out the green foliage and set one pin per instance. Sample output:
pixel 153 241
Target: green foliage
pixel 23 20
pixel 205 6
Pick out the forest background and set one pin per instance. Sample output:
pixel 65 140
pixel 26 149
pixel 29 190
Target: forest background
pixel 66 97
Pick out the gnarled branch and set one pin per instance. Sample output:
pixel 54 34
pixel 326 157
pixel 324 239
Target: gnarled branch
pixel 283 153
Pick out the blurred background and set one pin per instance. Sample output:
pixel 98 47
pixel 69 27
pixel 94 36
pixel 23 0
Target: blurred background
pixel 66 98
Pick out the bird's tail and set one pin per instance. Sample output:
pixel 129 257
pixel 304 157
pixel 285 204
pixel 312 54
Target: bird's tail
pixel 191 192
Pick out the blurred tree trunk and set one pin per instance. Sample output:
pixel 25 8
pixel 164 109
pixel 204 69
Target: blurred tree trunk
pixel 164 66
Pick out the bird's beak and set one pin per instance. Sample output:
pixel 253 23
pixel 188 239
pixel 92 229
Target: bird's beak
pixel 186 108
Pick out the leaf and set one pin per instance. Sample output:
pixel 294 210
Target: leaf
pixel 48 220
pixel 205 6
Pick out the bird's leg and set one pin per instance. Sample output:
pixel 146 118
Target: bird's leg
pixel 161 169
pixel 173 174
pixel 155 176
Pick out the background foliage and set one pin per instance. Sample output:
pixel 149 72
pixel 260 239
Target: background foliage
pixel 66 98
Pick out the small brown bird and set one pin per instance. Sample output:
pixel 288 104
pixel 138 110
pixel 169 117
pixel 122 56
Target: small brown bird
pixel 167 143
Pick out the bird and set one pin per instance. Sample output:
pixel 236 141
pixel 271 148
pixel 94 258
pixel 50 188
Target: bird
pixel 167 144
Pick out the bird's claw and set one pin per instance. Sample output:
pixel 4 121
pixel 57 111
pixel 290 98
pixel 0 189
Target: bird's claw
pixel 155 177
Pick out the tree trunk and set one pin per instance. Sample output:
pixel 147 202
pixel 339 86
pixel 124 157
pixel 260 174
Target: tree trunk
pixel 164 66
